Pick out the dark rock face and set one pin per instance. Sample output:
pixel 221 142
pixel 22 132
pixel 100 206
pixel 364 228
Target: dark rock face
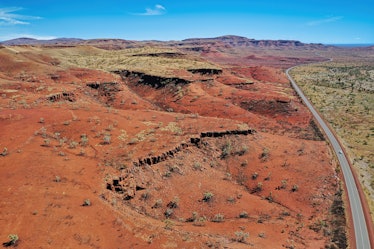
pixel 164 54
pixel 163 157
pixel 225 133
pixel 94 85
pixel 205 71
pixel 196 48
pixel 153 81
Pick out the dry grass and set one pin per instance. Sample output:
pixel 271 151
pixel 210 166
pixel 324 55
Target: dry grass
pixel 134 59
pixel 344 93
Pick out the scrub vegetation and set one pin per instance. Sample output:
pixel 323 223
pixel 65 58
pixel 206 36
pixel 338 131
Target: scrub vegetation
pixel 343 92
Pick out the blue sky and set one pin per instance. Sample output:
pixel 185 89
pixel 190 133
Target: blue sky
pixel 319 21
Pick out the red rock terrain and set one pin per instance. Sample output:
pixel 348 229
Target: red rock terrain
pixel 210 158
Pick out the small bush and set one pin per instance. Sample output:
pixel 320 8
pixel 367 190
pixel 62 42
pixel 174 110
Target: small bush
pixel 243 214
pixel 13 240
pixel 47 142
pixel 107 138
pixel 242 150
pixel 5 152
pixel 195 216
pixel 73 145
pixel 86 202
pixel 197 166
pixel 167 174
pixel 200 222
pixel 267 178
pixel 258 188
pixel 208 196
pixel 145 196
pixel 218 218
pixel 244 163
pixel 270 197
pixel 168 224
pixel 231 199
pixel 294 188
pixel 283 184
pixel 226 150
pixel 168 212
pixel 241 236
pixel 67 122
pixel 174 203
pixel 158 204
pixel 57 179
pixel 133 141
pixel 84 140
pixel 264 155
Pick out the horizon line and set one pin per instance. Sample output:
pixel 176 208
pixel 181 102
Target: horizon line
pixel 31 37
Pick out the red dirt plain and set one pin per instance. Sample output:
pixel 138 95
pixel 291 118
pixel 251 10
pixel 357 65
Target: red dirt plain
pixel 67 142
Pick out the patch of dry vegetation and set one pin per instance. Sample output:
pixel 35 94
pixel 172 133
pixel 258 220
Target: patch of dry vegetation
pixel 344 93
pixel 132 59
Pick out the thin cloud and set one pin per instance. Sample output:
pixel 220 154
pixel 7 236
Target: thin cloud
pixel 155 11
pixel 323 21
pixel 7 17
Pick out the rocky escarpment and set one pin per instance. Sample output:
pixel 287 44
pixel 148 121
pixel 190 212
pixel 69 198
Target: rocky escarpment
pixel 196 141
pixel 127 185
pixel 139 78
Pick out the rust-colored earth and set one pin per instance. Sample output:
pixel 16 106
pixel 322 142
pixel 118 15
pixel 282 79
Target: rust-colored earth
pixel 96 159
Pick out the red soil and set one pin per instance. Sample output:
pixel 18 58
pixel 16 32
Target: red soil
pixel 281 179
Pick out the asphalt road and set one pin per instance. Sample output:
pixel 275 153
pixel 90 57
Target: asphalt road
pixel 359 223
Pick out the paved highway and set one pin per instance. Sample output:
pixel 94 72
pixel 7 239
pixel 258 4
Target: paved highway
pixel 359 223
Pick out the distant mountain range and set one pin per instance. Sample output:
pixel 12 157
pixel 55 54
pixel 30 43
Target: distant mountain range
pixel 225 41
pixel 231 40
pixel 239 41
pixel 31 41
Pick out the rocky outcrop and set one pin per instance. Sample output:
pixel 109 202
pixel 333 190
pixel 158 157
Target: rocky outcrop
pixel 163 157
pixel 205 71
pixel 163 54
pixel 226 133
pixel 125 185
pixel 193 141
pixel 139 78
pixel 64 96
pixel 106 89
